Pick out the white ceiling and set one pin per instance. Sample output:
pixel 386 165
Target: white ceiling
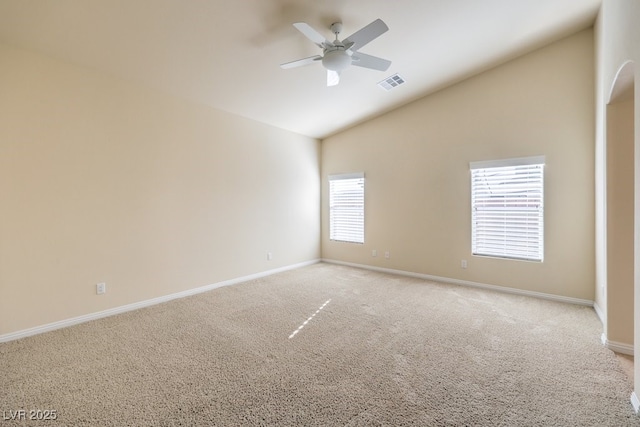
pixel 226 54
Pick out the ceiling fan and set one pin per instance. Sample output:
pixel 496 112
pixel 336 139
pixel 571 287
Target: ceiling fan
pixel 338 55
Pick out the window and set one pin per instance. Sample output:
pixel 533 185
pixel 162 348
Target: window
pixel 346 207
pixel 507 206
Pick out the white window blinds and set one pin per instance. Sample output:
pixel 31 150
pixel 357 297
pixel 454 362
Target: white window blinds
pixel 507 207
pixel 346 207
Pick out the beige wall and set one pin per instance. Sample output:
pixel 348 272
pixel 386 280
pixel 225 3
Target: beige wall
pixel 416 162
pixel 101 180
pixel 620 219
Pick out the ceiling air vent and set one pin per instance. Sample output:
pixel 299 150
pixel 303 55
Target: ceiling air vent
pixel 391 82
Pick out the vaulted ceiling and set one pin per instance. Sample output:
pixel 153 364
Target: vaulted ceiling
pixel 226 54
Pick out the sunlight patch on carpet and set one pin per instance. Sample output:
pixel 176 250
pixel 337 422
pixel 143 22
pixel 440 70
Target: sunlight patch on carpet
pixel 293 334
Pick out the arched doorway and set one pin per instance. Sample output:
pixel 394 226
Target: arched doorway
pixel 620 171
pixel 621 224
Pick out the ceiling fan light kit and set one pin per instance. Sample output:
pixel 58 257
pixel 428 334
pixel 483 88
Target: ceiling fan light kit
pixel 336 60
pixel 339 55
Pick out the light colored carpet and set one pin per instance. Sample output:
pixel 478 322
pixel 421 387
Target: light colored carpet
pixel 384 350
pixel 626 362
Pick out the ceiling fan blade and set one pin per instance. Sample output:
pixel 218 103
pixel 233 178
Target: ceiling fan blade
pixel 333 78
pixel 313 35
pixel 368 61
pixel 366 34
pixel 301 62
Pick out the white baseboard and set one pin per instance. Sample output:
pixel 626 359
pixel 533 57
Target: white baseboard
pixel 635 402
pixel 141 304
pixel 616 346
pixel 504 289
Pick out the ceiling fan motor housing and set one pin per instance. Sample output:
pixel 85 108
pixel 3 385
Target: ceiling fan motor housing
pixel 336 60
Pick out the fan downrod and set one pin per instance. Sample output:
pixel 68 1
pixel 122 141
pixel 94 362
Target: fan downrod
pixel 336 28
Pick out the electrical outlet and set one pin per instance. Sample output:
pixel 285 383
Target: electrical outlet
pixel 101 288
pixel 387 254
pixel 463 263
pixel 374 253
pixel 269 256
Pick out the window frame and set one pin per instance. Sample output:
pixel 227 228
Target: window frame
pixel 518 185
pixel 351 218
